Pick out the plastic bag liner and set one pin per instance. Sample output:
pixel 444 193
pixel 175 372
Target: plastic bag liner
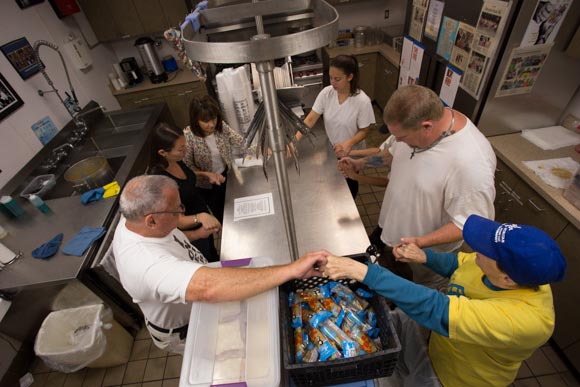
pixel 70 339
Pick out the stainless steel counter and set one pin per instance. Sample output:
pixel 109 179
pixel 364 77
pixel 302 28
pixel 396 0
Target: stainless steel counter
pixel 325 214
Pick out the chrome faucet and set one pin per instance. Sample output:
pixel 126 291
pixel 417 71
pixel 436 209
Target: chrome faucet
pixel 81 124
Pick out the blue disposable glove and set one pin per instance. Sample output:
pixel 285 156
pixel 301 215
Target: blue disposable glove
pixel 92 195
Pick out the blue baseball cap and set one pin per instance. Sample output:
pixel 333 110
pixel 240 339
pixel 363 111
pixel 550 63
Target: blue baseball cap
pixel 525 253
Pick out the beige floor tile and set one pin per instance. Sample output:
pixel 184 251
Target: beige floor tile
pixel 75 379
pixel 156 383
pixel 539 364
pixel 368 198
pixel 143 334
pixel 154 369
pixel 134 372
pixel 140 350
pixel 554 358
pixel 530 382
pixel 155 352
pixel 55 379
pixel 133 385
pixel 94 377
pixel 373 209
pixel 39 379
pixel 551 381
pixel 524 372
pixel 114 375
pixel 171 383
pixel 374 219
pixel 173 367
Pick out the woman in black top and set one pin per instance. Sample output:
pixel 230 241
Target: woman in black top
pixel 168 149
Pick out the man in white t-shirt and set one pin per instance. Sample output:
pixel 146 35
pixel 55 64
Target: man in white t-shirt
pixel 163 272
pixel 442 171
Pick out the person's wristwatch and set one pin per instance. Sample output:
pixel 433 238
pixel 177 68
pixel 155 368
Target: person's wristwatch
pixel 195 220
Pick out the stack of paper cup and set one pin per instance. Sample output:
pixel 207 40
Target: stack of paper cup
pixel 6 255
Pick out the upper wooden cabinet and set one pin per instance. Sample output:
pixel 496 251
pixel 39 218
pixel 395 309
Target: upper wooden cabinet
pixel 120 19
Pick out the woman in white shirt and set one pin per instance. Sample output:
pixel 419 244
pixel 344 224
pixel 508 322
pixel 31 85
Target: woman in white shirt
pixel 347 110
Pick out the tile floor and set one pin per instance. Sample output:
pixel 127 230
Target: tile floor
pixel 150 367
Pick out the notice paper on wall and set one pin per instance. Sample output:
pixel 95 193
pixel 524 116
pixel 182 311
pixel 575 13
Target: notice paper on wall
pixel 450 86
pixel 253 206
pixel 45 130
pixel 411 59
pixel 434 16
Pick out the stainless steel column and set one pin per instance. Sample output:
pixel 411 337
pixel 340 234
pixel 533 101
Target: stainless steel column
pixel 276 137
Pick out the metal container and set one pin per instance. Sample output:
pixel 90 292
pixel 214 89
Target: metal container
pixel 155 70
pixel 360 33
pixel 90 173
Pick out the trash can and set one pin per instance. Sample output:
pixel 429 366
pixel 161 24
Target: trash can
pixel 87 336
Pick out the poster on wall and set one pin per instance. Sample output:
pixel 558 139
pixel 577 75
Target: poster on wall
pixel 462 46
pixel 21 56
pixel 434 16
pixel 410 64
pixel 447 37
pixel 450 85
pixel 9 100
pixel 523 69
pixel 418 19
pixel 546 21
pixel 44 129
pixel 488 31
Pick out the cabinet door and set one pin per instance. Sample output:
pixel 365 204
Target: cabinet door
pixel 517 202
pixel 566 293
pixel 386 81
pixel 178 103
pixel 174 11
pixel 103 26
pixel 367 65
pixel 124 13
pixel 151 15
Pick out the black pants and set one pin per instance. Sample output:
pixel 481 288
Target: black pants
pixel 386 258
pixel 215 197
pixel 207 247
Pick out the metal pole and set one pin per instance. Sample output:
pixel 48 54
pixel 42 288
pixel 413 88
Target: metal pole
pixel 259 22
pixel 265 69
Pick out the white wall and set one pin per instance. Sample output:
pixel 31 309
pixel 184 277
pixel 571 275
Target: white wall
pixel 18 143
pixel 574 106
pixel 371 13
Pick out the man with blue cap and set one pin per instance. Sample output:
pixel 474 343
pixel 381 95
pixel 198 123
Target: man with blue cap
pixel 498 309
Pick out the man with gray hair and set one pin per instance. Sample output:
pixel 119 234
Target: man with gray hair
pixel 163 272
pixel 442 171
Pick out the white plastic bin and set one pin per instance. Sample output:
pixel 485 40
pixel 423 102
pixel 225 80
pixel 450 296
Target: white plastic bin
pixel 234 342
pixel 71 339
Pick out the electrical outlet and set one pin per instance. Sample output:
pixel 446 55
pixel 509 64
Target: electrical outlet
pixel 386 13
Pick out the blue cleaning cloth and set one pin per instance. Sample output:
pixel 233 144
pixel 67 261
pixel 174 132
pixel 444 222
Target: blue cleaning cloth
pixel 48 249
pixel 92 195
pixel 83 240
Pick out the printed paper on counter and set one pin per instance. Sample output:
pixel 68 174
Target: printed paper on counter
pixel 253 206
pixel 523 69
pixel 546 22
pixel 447 37
pixel 434 16
pixel 450 86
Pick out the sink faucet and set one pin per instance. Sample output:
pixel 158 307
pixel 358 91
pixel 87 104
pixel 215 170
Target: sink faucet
pixel 81 124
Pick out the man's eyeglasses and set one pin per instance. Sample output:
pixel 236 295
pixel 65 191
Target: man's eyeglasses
pixel 180 210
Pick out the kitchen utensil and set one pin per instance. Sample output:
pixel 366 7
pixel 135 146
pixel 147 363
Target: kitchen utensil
pixel 146 48
pixel 131 70
pixel 39 186
pixel 90 173
pixel 360 33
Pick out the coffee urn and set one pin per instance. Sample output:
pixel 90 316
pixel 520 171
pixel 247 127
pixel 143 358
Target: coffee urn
pixel 155 70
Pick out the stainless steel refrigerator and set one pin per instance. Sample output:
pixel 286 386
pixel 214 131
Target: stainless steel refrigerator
pixel 553 90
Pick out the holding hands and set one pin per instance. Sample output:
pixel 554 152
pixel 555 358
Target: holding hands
pixel 349 167
pixel 409 252
pixel 342 149
pixel 340 267
pixel 209 222
pixel 216 178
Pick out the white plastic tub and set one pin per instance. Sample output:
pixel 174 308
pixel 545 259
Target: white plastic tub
pixel 234 342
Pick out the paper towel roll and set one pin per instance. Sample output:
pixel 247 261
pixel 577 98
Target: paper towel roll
pixel 6 255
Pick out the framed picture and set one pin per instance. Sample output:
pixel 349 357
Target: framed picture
pixel 9 100
pixel 20 54
pixel 27 3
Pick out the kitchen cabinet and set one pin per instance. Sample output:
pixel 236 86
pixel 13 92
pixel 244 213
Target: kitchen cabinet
pixel 386 81
pixel 517 202
pixel 177 97
pixel 565 302
pixel 120 19
pixel 367 65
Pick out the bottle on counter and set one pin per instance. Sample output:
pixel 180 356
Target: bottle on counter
pixel 39 203
pixel 12 206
